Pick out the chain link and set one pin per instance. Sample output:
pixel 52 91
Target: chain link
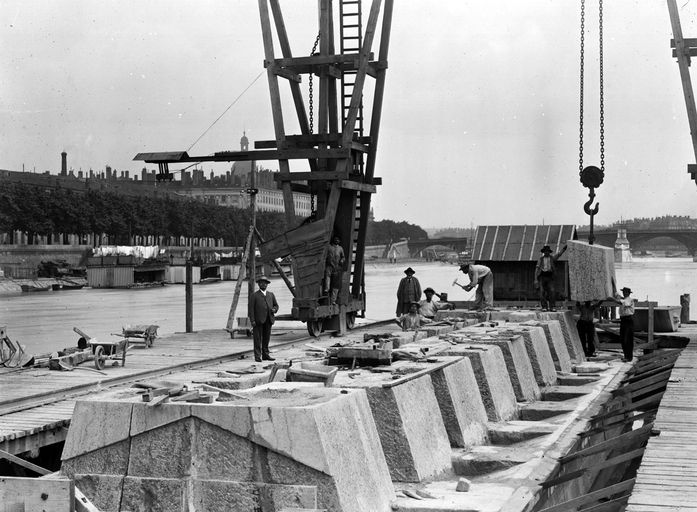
pixel 580 123
pixel 311 113
pixel 602 105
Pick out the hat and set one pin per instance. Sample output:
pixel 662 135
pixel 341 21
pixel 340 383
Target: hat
pixel 415 303
pixel 409 271
pixel 465 267
pixel 262 277
pixel 546 248
pixel 429 289
pixel 626 288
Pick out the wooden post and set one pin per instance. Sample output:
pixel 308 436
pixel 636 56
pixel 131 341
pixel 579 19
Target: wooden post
pixel 685 308
pixel 651 321
pixel 189 296
pixel 252 241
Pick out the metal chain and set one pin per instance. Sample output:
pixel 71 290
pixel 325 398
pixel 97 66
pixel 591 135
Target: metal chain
pixel 580 123
pixel 602 105
pixel 314 50
pixel 311 113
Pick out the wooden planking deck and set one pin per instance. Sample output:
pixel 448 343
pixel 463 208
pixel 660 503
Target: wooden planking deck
pixel 38 402
pixel 667 478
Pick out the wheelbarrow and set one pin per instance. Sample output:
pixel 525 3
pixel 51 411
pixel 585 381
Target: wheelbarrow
pixel 145 334
pixel 104 351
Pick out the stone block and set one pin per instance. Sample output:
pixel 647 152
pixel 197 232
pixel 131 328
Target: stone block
pixel 591 271
pixel 556 343
pixel 93 423
pixel 538 352
pixel 221 496
pixel 409 422
pixel 110 459
pixel 461 314
pixel 435 330
pixel 517 361
pixel 163 452
pixel 492 379
pixel 460 403
pixel 154 495
pixel 510 315
pixel 568 327
pixel 104 491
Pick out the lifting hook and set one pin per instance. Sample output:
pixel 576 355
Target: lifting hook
pixel 587 205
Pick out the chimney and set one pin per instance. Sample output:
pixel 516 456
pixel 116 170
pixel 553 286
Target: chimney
pixel 64 163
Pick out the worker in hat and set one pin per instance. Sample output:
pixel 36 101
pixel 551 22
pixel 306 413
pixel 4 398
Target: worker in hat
pixel 334 269
pixel 262 308
pixel 413 319
pixel 482 277
pixel 626 304
pixel 428 306
pixel 544 276
pixel 408 291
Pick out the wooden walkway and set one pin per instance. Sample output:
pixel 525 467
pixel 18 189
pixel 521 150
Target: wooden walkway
pixel 36 404
pixel 667 478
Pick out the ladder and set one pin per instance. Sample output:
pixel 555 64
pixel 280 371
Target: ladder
pixel 351 37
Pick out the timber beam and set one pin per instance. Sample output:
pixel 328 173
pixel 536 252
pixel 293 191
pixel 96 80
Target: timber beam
pixel 245 156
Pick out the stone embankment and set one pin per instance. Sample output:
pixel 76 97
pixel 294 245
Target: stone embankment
pixel 472 415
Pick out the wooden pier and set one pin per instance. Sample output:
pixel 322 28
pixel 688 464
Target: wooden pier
pixel 667 477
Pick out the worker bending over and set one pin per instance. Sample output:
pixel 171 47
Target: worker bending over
pixel 481 277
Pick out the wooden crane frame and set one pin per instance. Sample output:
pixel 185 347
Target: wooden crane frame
pixel 340 157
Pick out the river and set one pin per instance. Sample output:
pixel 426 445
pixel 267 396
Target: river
pixel 44 321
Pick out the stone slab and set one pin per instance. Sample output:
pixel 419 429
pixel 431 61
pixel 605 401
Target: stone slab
pixel 555 340
pixel 104 491
pixel 409 422
pixel 591 271
pixel 222 496
pixel 492 378
pixel 538 352
pixel 97 422
pixel 461 314
pixel 517 361
pixel 154 495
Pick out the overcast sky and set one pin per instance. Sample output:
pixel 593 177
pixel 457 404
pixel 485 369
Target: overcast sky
pixel 480 118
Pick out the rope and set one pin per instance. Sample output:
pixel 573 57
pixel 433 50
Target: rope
pixel 228 108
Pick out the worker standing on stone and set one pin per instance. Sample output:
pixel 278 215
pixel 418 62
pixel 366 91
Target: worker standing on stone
pixel 262 308
pixel 586 325
pixel 626 304
pixel 334 269
pixel 413 319
pixel 408 291
pixel 482 277
pixel 429 307
pixel 544 277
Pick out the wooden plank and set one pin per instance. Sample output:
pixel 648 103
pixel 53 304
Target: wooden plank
pixel 606 492
pixel 21 462
pixel 614 461
pixel 311 176
pixel 615 442
pixel 355 185
pixel 36 494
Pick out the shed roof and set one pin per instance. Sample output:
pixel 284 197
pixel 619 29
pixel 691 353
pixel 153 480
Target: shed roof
pixel 519 243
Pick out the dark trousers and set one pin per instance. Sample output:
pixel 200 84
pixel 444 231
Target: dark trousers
pixel 262 336
pixel 586 331
pixel 627 336
pixel 547 291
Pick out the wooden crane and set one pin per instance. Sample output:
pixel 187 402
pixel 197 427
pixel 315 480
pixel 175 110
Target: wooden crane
pixel 339 143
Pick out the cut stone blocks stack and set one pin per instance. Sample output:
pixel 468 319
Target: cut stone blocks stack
pixel 515 355
pixel 555 341
pixel 283 446
pixel 591 271
pixel 570 332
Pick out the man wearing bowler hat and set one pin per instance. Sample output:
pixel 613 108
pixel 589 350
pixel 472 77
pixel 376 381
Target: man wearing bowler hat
pixel 262 308
pixel 544 276
pixel 409 291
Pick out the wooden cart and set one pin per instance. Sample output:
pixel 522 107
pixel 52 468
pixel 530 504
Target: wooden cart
pixel 144 333
pixel 104 351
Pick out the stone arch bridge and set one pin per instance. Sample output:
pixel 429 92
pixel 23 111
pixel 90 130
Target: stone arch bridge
pixel 607 237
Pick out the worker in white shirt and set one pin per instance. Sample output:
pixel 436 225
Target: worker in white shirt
pixel 481 277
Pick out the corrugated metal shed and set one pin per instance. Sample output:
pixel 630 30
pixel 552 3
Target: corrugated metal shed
pixel 519 243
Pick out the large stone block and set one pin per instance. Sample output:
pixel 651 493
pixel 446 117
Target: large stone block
pixel 570 332
pixel 154 495
pixel 492 378
pixel 516 357
pixel 409 422
pixel 556 343
pixel 220 496
pixel 591 271
pixel 104 490
pixel 538 352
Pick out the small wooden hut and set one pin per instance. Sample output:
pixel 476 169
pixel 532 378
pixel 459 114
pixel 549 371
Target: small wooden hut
pixel 511 252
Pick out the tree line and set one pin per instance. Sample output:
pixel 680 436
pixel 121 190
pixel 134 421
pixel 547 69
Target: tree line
pixel 46 211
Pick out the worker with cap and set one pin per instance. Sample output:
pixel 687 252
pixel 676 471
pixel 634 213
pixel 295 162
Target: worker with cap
pixel 413 319
pixel 544 276
pixel 626 304
pixel 428 306
pixel 408 291
pixel 481 277
pixel 262 308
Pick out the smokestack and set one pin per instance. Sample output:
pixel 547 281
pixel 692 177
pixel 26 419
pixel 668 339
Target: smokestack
pixel 64 163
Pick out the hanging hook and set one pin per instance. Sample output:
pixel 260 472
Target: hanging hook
pixel 587 205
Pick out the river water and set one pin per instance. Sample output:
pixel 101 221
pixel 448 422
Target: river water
pixel 44 321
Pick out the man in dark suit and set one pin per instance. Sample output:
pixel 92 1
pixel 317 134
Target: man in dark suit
pixel 262 308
